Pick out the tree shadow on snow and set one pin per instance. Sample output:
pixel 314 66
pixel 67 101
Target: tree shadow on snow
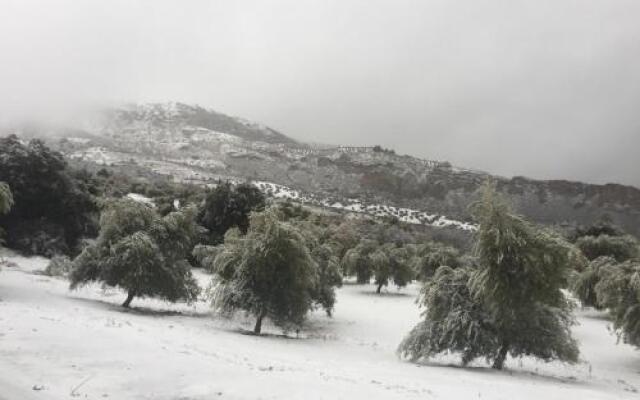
pixel 384 293
pixel 139 310
pixel 515 372
pixel 268 335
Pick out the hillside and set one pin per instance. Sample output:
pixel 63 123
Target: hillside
pixel 196 145
pixel 63 344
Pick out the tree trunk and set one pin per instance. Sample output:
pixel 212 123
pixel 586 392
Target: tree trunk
pixel 130 297
pixel 258 326
pixel 379 288
pixel 498 363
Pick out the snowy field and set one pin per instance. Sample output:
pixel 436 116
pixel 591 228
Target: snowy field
pixel 56 344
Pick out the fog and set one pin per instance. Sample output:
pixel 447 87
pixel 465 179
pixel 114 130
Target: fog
pixel 546 88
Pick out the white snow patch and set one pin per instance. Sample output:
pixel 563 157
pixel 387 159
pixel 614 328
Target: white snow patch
pixel 58 340
pixel 141 199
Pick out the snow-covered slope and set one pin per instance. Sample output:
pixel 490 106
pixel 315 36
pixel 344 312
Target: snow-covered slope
pixel 197 145
pixel 56 344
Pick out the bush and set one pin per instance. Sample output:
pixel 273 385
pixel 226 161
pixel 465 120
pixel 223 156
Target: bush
pixel 432 256
pixel 619 291
pixel 583 284
pixel 59 266
pixel 621 248
pixel 327 277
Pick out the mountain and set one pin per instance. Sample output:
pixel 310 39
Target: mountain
pixel 193 144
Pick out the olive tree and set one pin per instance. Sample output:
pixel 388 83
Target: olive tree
pixel 269 273
pixel 391 264
pixel 511 303
pixel 141 253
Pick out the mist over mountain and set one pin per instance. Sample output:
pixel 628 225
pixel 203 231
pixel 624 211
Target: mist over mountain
pixel 193 144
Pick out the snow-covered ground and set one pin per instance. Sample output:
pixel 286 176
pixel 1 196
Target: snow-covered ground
pixel 56 344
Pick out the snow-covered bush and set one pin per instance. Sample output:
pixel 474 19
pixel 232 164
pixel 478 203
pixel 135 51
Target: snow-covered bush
pixel 59 266
pixel 619 291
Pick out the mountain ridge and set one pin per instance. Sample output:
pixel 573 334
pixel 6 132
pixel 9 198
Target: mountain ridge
pixel 194 144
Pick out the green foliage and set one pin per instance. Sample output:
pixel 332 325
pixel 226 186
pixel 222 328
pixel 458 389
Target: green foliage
pixel 141 252
pixel 229 206
pixel 6 198
pixel 342 237
pixel 357 262
pixel 514 303
pixel 621 248
pixel 583 284
pixel 431 256
pixel 522 270
pixel 619 291
pixel 6 202
pixel 598 229
pixel 53 207
pixel 453 320
pixel 270 272
pixel 327 278
pixel 289 210
pixel 391 263
pixel 59 266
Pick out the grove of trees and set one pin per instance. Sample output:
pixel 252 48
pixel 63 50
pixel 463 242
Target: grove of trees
pixel 279 260
pixel 611 280
pixel 52 209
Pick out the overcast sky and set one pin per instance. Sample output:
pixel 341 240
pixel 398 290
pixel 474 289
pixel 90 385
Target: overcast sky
pixel 541 88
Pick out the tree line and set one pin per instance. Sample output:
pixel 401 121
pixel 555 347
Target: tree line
pixel 279 260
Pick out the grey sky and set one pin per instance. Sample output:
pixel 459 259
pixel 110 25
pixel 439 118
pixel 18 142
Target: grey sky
pixel 542 88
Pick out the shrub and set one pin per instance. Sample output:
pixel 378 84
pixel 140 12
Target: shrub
pixel 621 248
pixel 432 256
pixel 58 266
pixel 619 291
pixel 583 284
